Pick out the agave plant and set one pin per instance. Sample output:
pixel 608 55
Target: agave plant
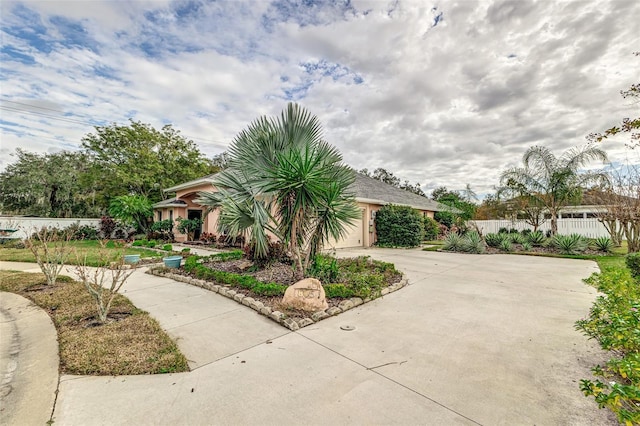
pixel 570 244
pixel 536 238
pixel 453 242
pixel 494 240
pixel 526 246
pixel 603 244
pixel 472 243
pixel 505 245
pixel 517 238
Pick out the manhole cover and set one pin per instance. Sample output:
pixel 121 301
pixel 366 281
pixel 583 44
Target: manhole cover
pixel 347 328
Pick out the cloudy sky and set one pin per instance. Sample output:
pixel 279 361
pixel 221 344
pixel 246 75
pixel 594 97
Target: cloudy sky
pixel 440 93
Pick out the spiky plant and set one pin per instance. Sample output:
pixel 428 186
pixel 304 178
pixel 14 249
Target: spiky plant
pixel 526 246
pixel 517 238
pixel 453 242
pixel 472 243
pixel 603 244
pixel 505 245
pixel 536 238
pixel 570 244
pixel 494 240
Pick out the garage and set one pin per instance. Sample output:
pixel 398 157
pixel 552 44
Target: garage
pixel 355 235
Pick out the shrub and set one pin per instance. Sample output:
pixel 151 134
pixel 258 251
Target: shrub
pixel 514 231
pixel 525 232
pixel 152 243
pixel 603 244
pixel 50 247
pixel 526 246
pixel 277 253
pixel 431 228
pixel 452 242
pixel 445 218
pixel 472 243
pixel 632 261
pixel 185 250
pixel 505 245
pixel 338 290
pixel 503 231
pixel 570 244
pixel 614 321
pixel 365 285
pixel 399 226
pixel 107 226
pixel 164 228
pixel 167 247
pixel 517 238
pixel 81 232
pixel 494 240
pixel 324 268
pixel 536 238
pixel 188 226
pixel 138 243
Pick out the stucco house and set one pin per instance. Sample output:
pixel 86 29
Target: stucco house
pixel 371 194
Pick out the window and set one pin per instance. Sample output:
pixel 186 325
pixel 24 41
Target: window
pixel 159 215
pixel 171 215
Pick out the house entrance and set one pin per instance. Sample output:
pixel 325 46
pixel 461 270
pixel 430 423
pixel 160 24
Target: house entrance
pixel 195 214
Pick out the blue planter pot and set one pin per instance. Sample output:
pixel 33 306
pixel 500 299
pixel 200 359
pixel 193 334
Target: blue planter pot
pixel 172 261
pixel 131 259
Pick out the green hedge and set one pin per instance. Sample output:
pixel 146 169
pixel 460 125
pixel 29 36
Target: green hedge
pixel 399 226
pixel 431 229
pixel 248 282
pixel 633 263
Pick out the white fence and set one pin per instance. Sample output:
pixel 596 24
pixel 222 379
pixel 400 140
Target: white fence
pixel 27 225
pixel 591 227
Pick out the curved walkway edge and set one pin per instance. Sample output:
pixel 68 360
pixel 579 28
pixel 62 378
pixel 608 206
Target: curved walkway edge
pixel 29 362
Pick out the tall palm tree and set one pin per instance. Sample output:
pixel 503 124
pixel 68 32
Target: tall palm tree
pixel 551 181
pixel 283 178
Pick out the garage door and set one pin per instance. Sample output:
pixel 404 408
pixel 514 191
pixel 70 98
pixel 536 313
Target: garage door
pixel 354 236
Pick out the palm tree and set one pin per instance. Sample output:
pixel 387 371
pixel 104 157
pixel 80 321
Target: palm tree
pixel 283 178
pixel 553 182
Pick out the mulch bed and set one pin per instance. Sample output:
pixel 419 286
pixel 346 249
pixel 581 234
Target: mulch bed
pixel 277 272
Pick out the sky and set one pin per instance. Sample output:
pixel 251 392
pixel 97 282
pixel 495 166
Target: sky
pixel 444 93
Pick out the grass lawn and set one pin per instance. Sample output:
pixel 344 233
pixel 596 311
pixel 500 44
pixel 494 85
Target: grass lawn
pixel 80 249
pixel 133 343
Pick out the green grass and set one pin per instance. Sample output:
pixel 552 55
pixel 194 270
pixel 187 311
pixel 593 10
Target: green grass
pixel 434 242
pixel 80 249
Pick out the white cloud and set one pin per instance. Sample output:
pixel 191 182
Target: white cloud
pixel 441 94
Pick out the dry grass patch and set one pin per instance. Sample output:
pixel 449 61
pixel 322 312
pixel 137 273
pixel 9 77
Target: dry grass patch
pixel 131 342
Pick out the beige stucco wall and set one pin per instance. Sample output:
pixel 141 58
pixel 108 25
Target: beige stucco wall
pixel 210 221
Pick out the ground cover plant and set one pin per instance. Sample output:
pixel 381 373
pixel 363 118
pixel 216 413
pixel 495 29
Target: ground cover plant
pixel 614 321
pixel 84 248
pixel 130 342
pixel 342 278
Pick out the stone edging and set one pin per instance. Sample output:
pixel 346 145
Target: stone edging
pixel 276 316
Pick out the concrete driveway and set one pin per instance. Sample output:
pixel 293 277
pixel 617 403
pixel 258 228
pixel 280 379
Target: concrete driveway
pixel 472 340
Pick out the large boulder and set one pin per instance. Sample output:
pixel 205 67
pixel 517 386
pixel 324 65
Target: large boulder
pixel 307 294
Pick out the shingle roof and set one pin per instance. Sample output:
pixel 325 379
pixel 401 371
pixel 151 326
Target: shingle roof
pixel 364 188
pixel 377 192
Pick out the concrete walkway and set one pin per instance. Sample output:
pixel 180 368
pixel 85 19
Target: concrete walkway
pixel 28 362
pixel 472 340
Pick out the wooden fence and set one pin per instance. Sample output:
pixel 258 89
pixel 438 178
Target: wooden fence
pixel 590 227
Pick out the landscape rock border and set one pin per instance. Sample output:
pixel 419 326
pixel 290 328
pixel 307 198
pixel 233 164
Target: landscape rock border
pixel 277 316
